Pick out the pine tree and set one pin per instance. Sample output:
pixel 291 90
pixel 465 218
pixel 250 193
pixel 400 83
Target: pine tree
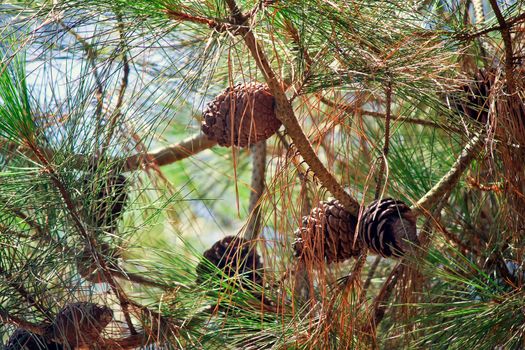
pixel 262 174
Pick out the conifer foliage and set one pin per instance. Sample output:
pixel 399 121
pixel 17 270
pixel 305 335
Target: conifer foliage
pixel 248 174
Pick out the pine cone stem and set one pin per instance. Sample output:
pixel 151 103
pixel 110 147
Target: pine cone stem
pixel 258 173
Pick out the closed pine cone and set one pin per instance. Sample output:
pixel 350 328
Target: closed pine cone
pixel 328 232
pixel 233 256
pixel 385 225
pixel 241 116
pixel 80 324
pixel 22 339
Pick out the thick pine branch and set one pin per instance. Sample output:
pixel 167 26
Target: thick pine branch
pixel 442 189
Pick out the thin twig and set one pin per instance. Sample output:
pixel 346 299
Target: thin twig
pixel 507 41
pixel 91 55
pixel 371 273
pixel 6 318
pixel 24 293
pixel 123 85
pixel 511 22
pixel 386 145
pixel 57 182
pixel 139 161
pixel 397 119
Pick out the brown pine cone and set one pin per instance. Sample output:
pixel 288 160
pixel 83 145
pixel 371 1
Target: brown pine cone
pixel 80 324
pixel 385 225
pixel 234 256
pixel 25 340
pixel 241 116
pixel 328 232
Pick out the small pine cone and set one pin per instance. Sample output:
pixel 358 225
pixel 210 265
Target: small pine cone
pixel 252 119
pixel 385 225
pixel 80 324
pixel 328 232
pixel 234 256
pixel 22 339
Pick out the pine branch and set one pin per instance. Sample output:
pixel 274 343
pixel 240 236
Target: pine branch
pixel 507 41
pixel 6 318
pixel 170 154
pixel 510 23
pixel 286 115
pixel 160 157
pixel 442 189
pixel 72 210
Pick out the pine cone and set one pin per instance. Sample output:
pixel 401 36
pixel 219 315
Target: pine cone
pixel 241 116
pixel 80 324
pixel 328 231
pixel 385 225
pixel 234 256
pixel 25 340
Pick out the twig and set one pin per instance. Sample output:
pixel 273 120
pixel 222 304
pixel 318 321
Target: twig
pixel 40 232
pixel 378 308
pixel 371 273
pixel 286 115
pixel 57 182
pixel 24 293
pixel 143 280
pixel 139 161
pixel 91 55
pixel 416 121
pixel 400 119
pixel 170 154
pixel 257 187
pixel 507 40
pixel 123 85
pixel 6 318
pixel 386 145
pixel 442 189
pixel 132 342
pixel 510 23
pixel 218 25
